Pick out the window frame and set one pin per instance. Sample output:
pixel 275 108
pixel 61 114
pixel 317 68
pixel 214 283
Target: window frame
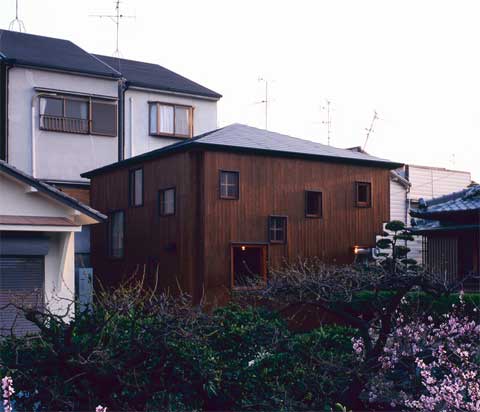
pixel 159 201
pixel 285 229
pixel 87 99
pixel 226 197
pixel 110 237
pixel 174 134
pixel 359 203
pixel 318 215
pixel 132 186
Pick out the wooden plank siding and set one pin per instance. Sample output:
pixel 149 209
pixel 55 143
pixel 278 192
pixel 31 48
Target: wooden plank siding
pixel 204 225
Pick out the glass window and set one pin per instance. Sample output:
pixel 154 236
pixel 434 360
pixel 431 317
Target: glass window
pixel 153 119
pixel 166 202
pixel 277 229
pixel 182 121
pixel 104 118
pixel 313 204
pixel 136 187
pixel 229 185
pixel 166 119
pixel 51 106
pixel 76 109
pixel 170 119
pixel 363 194
pixel 116 234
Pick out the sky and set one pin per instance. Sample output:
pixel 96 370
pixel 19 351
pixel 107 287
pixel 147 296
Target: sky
pixel 417 63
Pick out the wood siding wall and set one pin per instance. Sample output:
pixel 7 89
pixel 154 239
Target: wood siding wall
pixel 276 186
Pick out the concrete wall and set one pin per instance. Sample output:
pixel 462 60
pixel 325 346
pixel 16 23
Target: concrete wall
pixel 61 156
pixel 137 119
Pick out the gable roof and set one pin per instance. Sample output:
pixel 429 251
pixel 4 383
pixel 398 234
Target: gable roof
pixel 50 53
pixel 467 200
pixel 51 191
pixel 154 76
pixel 247 139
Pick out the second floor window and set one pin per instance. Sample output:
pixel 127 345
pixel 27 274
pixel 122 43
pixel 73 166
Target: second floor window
pixel 277 229
pixel 363 194
pixel 166 202
pixel 78 115
pixel 135 187
pixel 116 234
pixel 313 203
pixel 171 120
pixel 229 185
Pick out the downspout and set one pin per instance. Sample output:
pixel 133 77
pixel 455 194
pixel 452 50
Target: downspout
pixel 4 68
pixel 122 87
pixel 33 137
pixel 130 121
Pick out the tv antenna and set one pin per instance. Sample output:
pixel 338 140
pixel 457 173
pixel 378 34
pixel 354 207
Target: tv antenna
pixel 116 18
pixel 370 129
pixel 16 22
pixel 265 101
pixel 327 122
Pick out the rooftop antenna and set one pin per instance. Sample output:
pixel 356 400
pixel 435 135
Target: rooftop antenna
pixel 116 18
pixel 265 101
pixel 16 22
pixel 370 129
pixel 328 122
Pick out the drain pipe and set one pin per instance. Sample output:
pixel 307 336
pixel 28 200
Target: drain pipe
pixel 33 137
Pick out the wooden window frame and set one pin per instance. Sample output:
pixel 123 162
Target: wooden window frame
pixel 109 234
pixel 237 173
pixel 368 203
pixel 316 215
pixel 132 187
pixel 64 98
pixel 264 247
pixel 159 201
pixel 174 134
pixel 285 229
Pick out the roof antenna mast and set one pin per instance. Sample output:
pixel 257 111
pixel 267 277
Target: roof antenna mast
pixel 265 101
pixel 370 129
pixel 16 22
pixel 116 18
pixel 328 122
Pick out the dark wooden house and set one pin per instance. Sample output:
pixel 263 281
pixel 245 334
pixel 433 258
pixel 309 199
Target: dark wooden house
pixel 450 226
pixel 211 212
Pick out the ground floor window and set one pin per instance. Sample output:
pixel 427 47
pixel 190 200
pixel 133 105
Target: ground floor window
pixel 248 265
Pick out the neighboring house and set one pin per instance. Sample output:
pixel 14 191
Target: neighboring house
pixel 64 111
pixel 450 225
pixel 37 246
pixel 211 213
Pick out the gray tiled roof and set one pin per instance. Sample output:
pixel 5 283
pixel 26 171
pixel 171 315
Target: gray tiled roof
pixel 154 76
pixel 247 139
pixel 467 200
pixel 48 52
pixel 242 136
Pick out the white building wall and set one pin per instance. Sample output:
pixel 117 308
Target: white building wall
pixel 59 156
pixel 398 201
pixel 137 138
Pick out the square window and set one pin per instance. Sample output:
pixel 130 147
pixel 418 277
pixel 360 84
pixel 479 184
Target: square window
pixel 313 204
pixel 166 202
pixel 104 118
pixel 277 229
pixel 363 194
pixel 170 120
pixel 136 187
pixel 116 234
pixel 229 182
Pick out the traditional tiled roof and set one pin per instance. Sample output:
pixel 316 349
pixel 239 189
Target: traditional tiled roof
pixel 51 191
pixel 247 139
pixel 467 200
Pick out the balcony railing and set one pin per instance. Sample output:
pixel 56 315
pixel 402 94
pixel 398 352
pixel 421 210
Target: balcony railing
pixel 63 124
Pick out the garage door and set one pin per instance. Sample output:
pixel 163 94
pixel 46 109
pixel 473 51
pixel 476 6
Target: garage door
pixel 21 283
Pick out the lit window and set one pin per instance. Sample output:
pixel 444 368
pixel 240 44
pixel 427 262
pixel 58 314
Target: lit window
pixel 136 187
pixel 116 231
pixel 277 229
pixel 229 185
pixel 171 120
pixel 363 194
pixel 166 202
pixel 313 204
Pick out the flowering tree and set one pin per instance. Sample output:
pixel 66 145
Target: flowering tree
pixel 8 392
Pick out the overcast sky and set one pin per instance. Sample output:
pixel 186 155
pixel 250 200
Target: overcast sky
pixel 416 62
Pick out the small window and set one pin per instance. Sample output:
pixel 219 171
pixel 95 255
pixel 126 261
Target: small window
pixel 166 202
pixel 170 120
pixel 363 194
pixel 277 229
pixel 313 204
pixel 136 187
pixel 116 234
pixel 229 185
pixel 104 118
